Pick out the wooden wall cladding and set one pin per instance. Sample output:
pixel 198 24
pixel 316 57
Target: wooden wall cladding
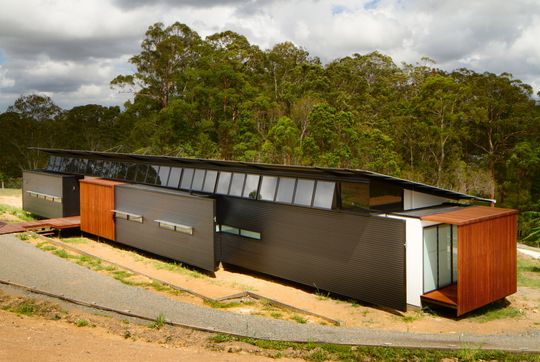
pixel 486 262
pixel 97 203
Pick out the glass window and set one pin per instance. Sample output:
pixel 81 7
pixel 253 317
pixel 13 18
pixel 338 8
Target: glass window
pixel 187 177
pixel 174 177
pixel 50 163
pixel 62 164
pixel 250 234
pixel 198 180
pixel 98 168
pixel 151 175
pixel 131 172
pixel 304 192
pixel 385 196
pixel 163 175
pixel 268 188
pixel 82 166
pixel 252 184
pixel 70 165
pixel 237 184
pixel 355 195
pixel 106 170
pixel 324 194
pixel 454 254
pixel 210 181
pixel 185 229
pixel 430 259
pixel 223 183
pixel 89 167
pixel 121 170
pixel 142 169
pixel 285 189
pixel 445 256
pixel 56 164
pixel 230 230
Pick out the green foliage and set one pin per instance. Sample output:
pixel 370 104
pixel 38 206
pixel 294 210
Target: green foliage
pixel 322 352
pixel 81 322
pixel 225 98
pixel 159 322
pixel 496 310
pixel 18 213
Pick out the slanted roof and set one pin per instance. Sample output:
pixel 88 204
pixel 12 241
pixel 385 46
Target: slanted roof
pixel 469 215
pixel 305 171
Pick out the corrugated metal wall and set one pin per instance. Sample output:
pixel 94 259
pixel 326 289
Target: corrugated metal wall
pixel 354 255
pixel 64 186
pixel 172 206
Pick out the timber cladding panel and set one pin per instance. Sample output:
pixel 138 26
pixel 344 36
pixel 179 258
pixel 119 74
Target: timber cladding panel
pixel 486 262
pixel 58 185
pixel 152 203
pixel 349 254
pixel 97 205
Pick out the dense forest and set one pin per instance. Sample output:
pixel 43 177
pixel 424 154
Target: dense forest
pixel 222 97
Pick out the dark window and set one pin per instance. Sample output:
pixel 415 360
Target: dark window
pixel 121 170
pixel 72 165
pixel 131 172
pixel 152 174
pixel 223 183
pixel 82 166
pixel 285 189
pixel 50 163
pixel 324 194
pixel 57 163
pixel 62 164
pixel 174 178
pixel 304 192
pixel 210 181
pixel 163 175
pixel 198 180
pixel 237 184
pixel 385 196
pixel 98 167
pixel 355 196
pixel 268 188
pixel 107 169
pixel 187 177
pixel 252 184
pixel 141 172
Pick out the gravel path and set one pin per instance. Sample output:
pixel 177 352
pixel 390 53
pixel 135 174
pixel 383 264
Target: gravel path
pixel 24 264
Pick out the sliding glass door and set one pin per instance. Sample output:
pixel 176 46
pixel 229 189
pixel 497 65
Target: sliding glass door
pixel 440 256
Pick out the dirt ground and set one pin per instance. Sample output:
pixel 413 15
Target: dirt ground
pixel 10 197
pixel 58 335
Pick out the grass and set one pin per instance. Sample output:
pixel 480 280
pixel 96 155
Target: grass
pixel 27 308
pixel 177 268
pixel 323 352
pixel 26 236
pixel 299 319
pixel 497 310
pixel 159 322
pixel 18 213
pixel 221 305
pixel 528 271
pixel 75 240
pixel 411 317
pixel 81 322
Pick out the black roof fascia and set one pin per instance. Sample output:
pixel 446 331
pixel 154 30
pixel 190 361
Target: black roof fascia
pixel 341 173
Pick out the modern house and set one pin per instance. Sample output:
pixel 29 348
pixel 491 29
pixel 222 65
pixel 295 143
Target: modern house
pixel 372 237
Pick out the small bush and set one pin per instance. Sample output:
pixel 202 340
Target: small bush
pixel 81 323
pixel 159 322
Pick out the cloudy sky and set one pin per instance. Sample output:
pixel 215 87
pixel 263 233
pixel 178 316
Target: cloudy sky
pixel 71 49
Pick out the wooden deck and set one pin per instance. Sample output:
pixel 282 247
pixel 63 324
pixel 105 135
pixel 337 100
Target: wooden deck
pixel 446 296
pixel 58 223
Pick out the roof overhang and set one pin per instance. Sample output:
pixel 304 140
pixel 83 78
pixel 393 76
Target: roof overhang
pixel 469 215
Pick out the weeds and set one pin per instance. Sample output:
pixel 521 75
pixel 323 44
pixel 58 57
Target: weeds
pixel 299 319
pixel 159 322
pixel 81 322
pixel 75 240
pixel 18 213
pixel 220 305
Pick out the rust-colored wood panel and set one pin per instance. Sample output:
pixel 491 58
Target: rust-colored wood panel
pixel 486 262
pixel 97 203
pixel 470 215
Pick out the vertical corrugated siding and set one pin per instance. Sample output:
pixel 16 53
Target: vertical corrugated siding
pixel 354 255
pixel 486 262
pixel 97 203
pixel 51 184
pixel 180 208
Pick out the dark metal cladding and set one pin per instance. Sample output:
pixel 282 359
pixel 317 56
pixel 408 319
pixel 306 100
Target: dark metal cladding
pixel 362 257
pixel 172 206
pixel 44 183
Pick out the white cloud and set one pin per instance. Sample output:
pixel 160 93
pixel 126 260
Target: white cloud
pixel 72 49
